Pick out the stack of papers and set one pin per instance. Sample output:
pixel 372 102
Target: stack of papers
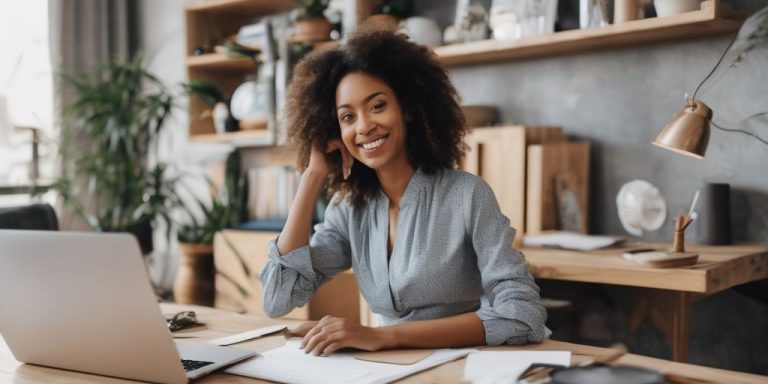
pixel 496 367
pixel 570 240
pixel 247 335
pixel 289 364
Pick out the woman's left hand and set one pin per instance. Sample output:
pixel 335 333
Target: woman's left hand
pixel 334 333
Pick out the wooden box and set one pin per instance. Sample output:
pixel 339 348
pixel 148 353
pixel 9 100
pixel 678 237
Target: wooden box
pixel 499 156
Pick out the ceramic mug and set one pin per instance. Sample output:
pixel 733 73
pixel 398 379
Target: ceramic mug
pixel 422 31
pixel 673 7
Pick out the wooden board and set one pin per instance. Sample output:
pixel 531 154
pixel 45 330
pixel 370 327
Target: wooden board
pixel 557 177
pixel 239 257
pixel 662 259
pixel 498 155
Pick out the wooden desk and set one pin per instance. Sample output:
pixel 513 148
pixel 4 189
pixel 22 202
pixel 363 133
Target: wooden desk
pixel 718 268
pixel 222 322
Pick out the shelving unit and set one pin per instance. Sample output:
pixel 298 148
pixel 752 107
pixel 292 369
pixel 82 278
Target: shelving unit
pixel 239 139
pixel 219 62
pixel 714 19
pixel 208 23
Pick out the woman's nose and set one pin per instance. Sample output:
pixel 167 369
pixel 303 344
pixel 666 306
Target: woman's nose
pixel 365 125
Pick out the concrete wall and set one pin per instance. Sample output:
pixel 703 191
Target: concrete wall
pixel 619 99
pixel 161 39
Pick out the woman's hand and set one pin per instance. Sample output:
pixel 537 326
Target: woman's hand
pixel 318 164
pixel 334 333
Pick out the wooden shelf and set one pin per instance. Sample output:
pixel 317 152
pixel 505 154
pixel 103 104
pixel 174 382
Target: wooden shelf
pixel 219 62
pixel 714 19
pixel 238 6
pixel 240 139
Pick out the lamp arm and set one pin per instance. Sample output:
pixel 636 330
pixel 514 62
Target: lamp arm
pixel 748 133
pixel 716 65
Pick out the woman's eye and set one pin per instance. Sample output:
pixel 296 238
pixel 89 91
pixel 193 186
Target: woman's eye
pixel 379 106
pixel 345 117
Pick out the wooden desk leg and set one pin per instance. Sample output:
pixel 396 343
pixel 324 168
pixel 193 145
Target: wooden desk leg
pixel 680 330
pixel 669 312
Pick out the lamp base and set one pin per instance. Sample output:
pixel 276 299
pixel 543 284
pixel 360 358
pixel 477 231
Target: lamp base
pixel 662 259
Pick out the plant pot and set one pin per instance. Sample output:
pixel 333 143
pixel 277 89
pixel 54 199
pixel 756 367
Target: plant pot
pixel 311 30
pixel 383 21
pixel 194 282
pixel 143 233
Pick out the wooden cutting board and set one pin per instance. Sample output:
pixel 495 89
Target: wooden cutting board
pixel 498 155
pixel 557 187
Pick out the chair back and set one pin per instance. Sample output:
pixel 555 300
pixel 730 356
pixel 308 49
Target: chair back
pixel 34 216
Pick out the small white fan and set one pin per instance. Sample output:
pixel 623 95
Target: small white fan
pixel 641 207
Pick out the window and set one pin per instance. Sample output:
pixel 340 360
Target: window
pixel 26 90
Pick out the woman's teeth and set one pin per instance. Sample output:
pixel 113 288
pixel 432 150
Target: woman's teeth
pixel 374 144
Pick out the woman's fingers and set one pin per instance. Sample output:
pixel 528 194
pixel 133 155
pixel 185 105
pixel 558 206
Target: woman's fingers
pixel 323 324
pixel 346 162
pixel 334 145
pixel 332 347
pixel 327 339
pixel 312 332
pixel 346 157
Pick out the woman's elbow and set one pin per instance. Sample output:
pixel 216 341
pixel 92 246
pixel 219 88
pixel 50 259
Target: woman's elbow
pixel 273 309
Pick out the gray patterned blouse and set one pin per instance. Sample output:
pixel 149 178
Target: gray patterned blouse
pixel 452 254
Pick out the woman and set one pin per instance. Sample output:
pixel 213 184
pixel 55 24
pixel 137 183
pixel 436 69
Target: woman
pixel 378 121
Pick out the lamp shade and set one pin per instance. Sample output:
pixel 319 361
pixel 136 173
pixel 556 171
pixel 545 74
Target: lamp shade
pixel 688 132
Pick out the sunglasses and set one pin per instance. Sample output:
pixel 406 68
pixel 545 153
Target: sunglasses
pixel 182 320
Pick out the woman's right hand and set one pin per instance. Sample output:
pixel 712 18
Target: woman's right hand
pixel 318 164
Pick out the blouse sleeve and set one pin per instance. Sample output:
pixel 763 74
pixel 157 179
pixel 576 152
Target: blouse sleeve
pixel 510 308
pixel 290 280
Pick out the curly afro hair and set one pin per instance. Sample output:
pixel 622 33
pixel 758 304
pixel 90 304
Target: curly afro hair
pixel 435 127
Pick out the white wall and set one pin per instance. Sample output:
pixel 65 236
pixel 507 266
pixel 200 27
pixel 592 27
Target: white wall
pixel 162 34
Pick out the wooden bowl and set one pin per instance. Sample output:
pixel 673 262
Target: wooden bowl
pixel 480 115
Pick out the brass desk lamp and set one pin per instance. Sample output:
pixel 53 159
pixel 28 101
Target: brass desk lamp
pixel 688 132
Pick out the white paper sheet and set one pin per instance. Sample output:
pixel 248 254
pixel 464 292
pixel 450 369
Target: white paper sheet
pixel 290 364
pixel 247 335
pixel 497 367
pixel 570 240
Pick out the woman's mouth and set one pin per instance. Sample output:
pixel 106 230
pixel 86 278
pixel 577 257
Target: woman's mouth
pixel 373 144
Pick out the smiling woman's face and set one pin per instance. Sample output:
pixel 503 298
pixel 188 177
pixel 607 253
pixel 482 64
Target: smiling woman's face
pixel 371 121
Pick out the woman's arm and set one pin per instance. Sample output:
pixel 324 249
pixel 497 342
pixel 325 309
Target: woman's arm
pixel 333 333
pixel 296 264
pixel 295 234
pixel 510 308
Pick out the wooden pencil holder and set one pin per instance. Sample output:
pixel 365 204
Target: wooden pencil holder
pixel 676 257
pixel 678 244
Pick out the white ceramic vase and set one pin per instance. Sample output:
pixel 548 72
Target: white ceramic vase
pixel 673 7
pixel 220 115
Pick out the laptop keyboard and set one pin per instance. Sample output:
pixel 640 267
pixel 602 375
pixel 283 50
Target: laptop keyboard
pixel 191 365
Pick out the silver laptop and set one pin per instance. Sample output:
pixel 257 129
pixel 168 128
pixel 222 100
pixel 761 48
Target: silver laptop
pixel 83 302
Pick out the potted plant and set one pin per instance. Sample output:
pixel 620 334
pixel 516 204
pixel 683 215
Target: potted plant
pixel 194 283
pixel 311 25
pixel 218 104
pixel 388 14
pixel 113 124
